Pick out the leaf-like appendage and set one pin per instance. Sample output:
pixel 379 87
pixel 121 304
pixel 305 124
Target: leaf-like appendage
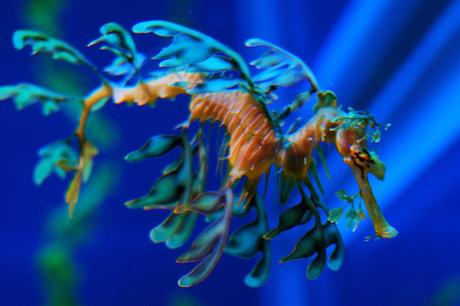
pixel 335 215
pixel 325 99
pixel 201 271
pixel 193 51
pixel 292 217
pixel 205 203
pixel 208 247
pixel 315 243
pixel 88 153
pixel 58 157
pixel 244 241
pixel 174 166
pixel 177 185
pixel 362 120
pixel 117 40
pixel 181 190
pixel 280 68
pixel 175 230
pixel 25 95
pixel 354 215
pixel 83 169
pixel 73 192
pixel 342 195
pixel 199 180
pixel 322 158
pixel 248 240
pixel 42 43
pixel 184 230
pixel 214 85
pixel 259 274
pixel 204 244
pixel 165 194
pixel 168 192
pixel 154 147
pixel 287 184
pixel 313 170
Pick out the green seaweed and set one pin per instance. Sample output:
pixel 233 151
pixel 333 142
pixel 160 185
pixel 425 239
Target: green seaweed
pixel 55 259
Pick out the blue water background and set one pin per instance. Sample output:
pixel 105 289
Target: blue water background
pixel 398 59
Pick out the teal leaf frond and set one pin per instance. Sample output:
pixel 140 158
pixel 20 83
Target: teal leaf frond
pixel 58 158
pixel 42 43
pixel 316 241
pixel 154 147
pixel 279 67
pixel 248 241
pixel 116 39
pixel 354 215
pixel 292 217
pixel 176 186
pixel 193 51
pixel 25 95
pixel 208 247
pixel 175 230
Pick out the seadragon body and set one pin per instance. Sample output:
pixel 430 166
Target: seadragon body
pixel 222 91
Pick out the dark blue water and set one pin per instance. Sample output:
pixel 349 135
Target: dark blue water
pixel 399 59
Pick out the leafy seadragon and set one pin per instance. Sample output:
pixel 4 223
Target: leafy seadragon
pixel 222 90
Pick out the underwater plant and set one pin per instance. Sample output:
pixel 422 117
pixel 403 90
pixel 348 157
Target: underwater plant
pixel 221 90
pixel 56 257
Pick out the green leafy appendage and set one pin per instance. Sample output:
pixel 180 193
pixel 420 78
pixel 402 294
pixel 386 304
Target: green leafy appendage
pixel 353 208
pixel 116 39
pixel 181 189
pixel 193 51
pixel 363 120
pixel 248 241
pixel 42 43
pixel 58 158
pixel 279 67
pixel 316 241
pixel 25 95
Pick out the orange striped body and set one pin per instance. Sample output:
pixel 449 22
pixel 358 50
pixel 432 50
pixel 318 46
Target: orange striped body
pixel 253 143
pixel 297 157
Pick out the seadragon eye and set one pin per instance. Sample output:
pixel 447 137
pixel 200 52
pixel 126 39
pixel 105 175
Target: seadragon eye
pixel 364 156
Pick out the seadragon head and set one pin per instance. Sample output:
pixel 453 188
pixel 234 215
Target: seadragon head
pixel 352 134
pixel 351 144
